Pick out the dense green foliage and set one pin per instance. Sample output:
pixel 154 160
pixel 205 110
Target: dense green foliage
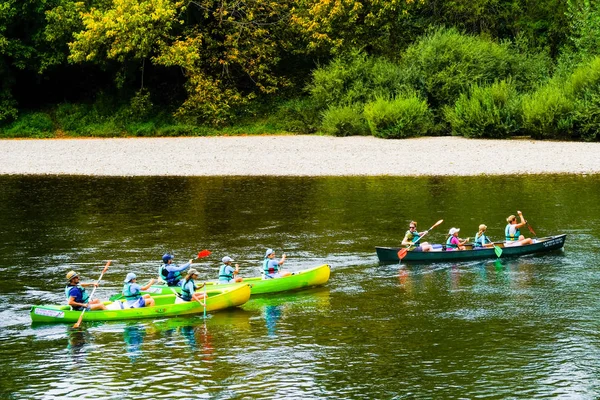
pixel 397 68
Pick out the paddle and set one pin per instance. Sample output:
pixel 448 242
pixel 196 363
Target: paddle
pixel 402 252
pixel 530 229
pixel 497 249
pixel 203 253
pixel 91 295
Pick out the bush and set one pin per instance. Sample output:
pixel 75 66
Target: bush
pixel 38 125
pixel 489 111
pixel 344 121
pixel 298 115
pixel 355 78
pixel 398 118
pixel 446 63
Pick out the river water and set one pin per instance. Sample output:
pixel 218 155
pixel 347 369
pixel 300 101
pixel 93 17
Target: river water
pixel 510 328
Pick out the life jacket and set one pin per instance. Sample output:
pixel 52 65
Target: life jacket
pixel 162 272
pixel 82 298
pixel 414 235
pixel 449 244
pixel 223 275
pixel 508 236
pixel 267 269
pixel 128 294
pixel 480 240
pixel 172 278
pixel 186 294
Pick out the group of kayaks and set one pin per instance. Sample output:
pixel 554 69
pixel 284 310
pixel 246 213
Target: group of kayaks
pixel 219 296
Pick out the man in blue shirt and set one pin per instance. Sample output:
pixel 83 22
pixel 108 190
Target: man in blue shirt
pixel 171 273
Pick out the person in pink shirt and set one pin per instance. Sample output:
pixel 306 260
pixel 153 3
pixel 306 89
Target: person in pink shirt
pixel 454 242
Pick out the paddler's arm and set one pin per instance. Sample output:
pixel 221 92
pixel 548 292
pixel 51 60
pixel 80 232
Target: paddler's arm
pixel 72 303
pixel 147 286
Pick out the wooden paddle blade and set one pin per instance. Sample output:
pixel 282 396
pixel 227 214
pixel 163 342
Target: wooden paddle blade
pixel 436 224
pixel 203 253
pixel 402 253
pixel 531 230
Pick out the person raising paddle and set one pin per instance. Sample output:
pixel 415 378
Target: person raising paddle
pixel 77 297
pixel 171 273
pixel 412 236
pixel 512 231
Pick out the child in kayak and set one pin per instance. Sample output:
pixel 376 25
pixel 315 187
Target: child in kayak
pixel 132 293
pixel 188 288
pixel 454 242
pixel 227 274
pixel 271 265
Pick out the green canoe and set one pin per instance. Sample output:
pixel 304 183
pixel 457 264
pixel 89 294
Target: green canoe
pixel 541 245
pixel 218 298
pixel 297 280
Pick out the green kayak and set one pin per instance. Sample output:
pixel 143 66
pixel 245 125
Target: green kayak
pixel 218 298
pixel 297 280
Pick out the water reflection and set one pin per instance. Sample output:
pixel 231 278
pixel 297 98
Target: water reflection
pixel 77 339
pixel 272 314
pixel 134 337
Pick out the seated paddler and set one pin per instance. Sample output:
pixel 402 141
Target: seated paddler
pixel 171 272
pixel 481 239
pixel 133 293
pixel 188 288
pixel 227 273
pixel 272 265
pixel 412 238
pixel 77 297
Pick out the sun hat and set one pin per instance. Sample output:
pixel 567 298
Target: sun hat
pixel 192 271
pixel 453 231
pixel 269 252
pixel 227 259
pixel 167 257
pixel 71 275
pixel 130 276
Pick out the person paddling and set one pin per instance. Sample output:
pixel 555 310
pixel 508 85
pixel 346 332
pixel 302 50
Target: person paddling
pixel 412 236
pixel 77 297
pixel 271 265
pixel 132 293
pixel 227 274
pixel 512 231
pixel 454 242
pixel 188 288
pixel 481 239
pixel 170 272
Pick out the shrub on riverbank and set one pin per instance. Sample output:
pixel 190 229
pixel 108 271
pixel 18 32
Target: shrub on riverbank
pixel 492 111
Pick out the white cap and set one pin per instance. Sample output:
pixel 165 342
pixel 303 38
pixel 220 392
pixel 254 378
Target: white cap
pixel 453 231
pixel 227 259
pixel 130 276
pixel 269 252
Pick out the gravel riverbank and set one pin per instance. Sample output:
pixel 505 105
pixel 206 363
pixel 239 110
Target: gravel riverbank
pixel 295 156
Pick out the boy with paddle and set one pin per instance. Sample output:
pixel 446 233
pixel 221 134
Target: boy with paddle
pixel 412 237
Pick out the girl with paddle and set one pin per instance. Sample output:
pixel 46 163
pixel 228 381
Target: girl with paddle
pixel 481 239
pixel 412 237
pixel 188 288
pixel 513 233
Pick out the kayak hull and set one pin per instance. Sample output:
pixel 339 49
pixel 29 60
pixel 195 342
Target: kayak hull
pixel 546 244
pixel 298 280
pixel 218 299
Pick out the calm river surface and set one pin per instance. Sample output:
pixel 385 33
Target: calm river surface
pixel 516 328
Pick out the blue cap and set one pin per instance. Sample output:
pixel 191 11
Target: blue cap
pixel 269 252
pixel 130 276
pixel 167 257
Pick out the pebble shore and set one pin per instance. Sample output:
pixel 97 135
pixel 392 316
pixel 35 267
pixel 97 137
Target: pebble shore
pixel 301 155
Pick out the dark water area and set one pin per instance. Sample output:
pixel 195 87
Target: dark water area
pixel 511 328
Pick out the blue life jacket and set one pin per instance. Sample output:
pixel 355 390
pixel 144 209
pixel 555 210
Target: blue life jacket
pixel 452 245
pixel 128 294
pixel 223 275
pixel 267 269
pixel 481 240
pixel 83 296
pixel 172 278
pixel 186 293
pixel 509 237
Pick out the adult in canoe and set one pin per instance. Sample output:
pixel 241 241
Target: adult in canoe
pixel 132 293
pixel 512 231
pixel 77 297
pixel 170 272
pixel 481 239
pixel 412 236
pixel 454 242
pixel 271 265
pixel 228 274
pixel 188 288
